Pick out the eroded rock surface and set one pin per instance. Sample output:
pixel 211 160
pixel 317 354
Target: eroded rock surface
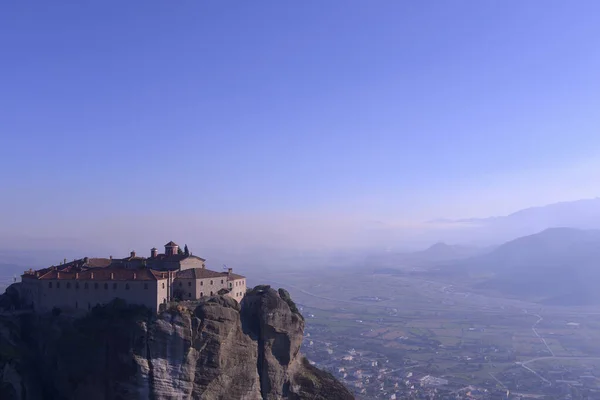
pixel 211 349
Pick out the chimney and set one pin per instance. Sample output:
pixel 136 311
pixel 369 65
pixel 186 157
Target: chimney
pixel 112 276
pixel 58 275
pixel 64 261
pixel 76 275
pixel 132 254
pixel 229 270
pixel 91 275
pixel 154 252
pixel 134 275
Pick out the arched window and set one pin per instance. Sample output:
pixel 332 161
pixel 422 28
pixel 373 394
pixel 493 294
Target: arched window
pixel 163 285
pixel 211 282
pixel 114 285
pixel 96 285
pixel 211 293
pixel 201 294
pixel 127 286
pixel 201 283
pixel 106 286
pixel 68 285
pixel 221 281
pixel 50 285
pixel 58 285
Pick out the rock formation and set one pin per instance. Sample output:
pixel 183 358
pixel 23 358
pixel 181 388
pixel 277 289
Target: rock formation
pixel 211 349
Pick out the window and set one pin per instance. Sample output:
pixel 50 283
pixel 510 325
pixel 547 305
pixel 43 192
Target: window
pixel 68 285
pixel 96 285
pixel 180 284
pixel 221 281
pixel 211 293
pixel 211 282
pixel 189 295
pixel 76 285
pixel 50 285
pixel 85 285
pixel 106 286
pixel 190 283
pixel 145 286
pixel 114 285
pixel 230 285
pixel 127 286
pixel 58 285
pixel 163 285
pixel 201 294
pixel 201 283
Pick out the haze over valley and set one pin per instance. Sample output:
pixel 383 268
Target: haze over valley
pixel 371 200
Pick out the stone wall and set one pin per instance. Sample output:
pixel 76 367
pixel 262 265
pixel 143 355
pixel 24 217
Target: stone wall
pixel 210 286
pixel 85 294
pixel 192 289
pixel 191 262
pixel 238 289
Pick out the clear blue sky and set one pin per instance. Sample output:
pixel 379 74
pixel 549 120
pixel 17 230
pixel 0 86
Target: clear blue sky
pixel 383 110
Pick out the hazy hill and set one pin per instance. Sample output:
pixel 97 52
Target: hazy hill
pixel 436 254
pixel 581 214
pixel 557 265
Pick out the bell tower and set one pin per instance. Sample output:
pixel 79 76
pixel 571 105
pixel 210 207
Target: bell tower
pixel 171 248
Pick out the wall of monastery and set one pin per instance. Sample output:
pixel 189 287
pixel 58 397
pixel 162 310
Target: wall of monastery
pixel 210 286
pixel 191 262
pixel 85 294
pixel 238 289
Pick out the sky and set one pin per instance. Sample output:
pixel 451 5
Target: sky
pixel 290 122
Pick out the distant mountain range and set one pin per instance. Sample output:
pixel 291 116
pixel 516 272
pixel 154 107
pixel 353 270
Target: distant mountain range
pixel 581 214
pixel 436 254
pixel 556 266
pixel 559 266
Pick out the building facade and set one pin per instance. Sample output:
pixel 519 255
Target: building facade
pixel 151 282
pixel 195 283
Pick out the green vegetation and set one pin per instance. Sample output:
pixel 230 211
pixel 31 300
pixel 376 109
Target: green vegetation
pixel 285 296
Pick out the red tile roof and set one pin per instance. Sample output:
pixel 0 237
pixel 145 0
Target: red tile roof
pixel 201 273
pixel 198 273
pixel 98 262
pixel 107 274
pixel 233 277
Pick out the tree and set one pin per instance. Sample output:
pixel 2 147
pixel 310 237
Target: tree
pixel 186 251
pixel 179 251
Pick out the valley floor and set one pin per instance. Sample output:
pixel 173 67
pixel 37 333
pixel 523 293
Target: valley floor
pixel 382 334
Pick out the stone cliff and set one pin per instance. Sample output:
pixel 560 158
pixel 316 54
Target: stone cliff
pixel 211 349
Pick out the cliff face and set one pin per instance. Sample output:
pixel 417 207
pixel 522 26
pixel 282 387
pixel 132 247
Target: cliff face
pixel 214 349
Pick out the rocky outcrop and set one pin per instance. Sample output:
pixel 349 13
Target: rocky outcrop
pixel 211 349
